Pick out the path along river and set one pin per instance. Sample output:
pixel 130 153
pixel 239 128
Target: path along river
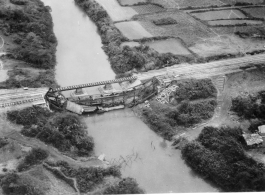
pixel 120 134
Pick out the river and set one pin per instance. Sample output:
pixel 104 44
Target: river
pixel 120 135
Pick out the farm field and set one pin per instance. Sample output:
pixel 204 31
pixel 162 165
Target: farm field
pixel 257 12
pixel 227 44
pixel 221 14
pixel 169 46
pixel 234 22
pixel 198 3
pixel 117 12
pixel 144 9
pixel 165 3
pixel 187 28
pixel 131 2
pixel 232 2
pixel 133 30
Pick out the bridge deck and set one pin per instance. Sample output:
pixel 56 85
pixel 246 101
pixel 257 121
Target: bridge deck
pixel 94 84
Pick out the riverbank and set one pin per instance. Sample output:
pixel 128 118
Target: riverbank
pixel 126 60
pixel 29 44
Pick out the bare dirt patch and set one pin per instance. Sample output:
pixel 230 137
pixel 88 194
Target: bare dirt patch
pixel 169 46
pixel 116 11
pixel 133 30
pixel 220 14
pixel 227 44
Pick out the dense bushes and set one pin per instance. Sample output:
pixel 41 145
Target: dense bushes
pixel 36 156
pixel 250 107
pixel 88 178
pixel 31 28
pixel 163 119
pixel 13 184
pixel 218 155
pixel 165 21
pixel 195 89
pixel 18 78
pixel 125 186
pixel 64 131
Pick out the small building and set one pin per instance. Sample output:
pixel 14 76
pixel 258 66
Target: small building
pixel 262 130
pixel 253 140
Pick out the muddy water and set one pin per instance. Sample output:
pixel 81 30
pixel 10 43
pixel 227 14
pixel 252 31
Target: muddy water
pixel 120 135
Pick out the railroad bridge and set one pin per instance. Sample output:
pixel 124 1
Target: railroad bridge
pixel 125 91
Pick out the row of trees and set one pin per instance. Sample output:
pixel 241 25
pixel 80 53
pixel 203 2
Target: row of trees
pixel 219 156
pixel 124 59
pixel 64 131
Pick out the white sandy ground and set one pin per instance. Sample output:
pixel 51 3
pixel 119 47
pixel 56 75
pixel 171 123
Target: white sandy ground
pixel 115 11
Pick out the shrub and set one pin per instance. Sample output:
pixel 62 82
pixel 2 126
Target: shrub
pixel 36 156
pixel 12 184
pixel 165 21
pixel 125 186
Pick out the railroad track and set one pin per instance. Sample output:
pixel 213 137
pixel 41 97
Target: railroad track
pixel 206 70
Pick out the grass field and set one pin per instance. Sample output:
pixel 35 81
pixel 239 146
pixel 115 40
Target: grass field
pixel 221 14
pixel 165 3
pixel 115 11
pixel 131 2
pixel 213 47
pixel 234 22
pixel 132 30
pixel 257 12
pixel 187 28
pixel 198 3
pixel 169 46
pixel 144 9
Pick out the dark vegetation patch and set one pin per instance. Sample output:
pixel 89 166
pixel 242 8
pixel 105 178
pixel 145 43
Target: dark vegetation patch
pixel 250 107
pixel 218 155
pixel 195 89
pixel 28 79
pixel 87 178
pixel 31 29
pixel 3 142
pixel 14 184
pixel 35 157
pixel 125 186
pixel 29 25
pixel 64 131
pixel 165 21
pixel 165 118
pixel 124 59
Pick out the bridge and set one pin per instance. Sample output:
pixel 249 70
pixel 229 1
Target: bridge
pixel 136 89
